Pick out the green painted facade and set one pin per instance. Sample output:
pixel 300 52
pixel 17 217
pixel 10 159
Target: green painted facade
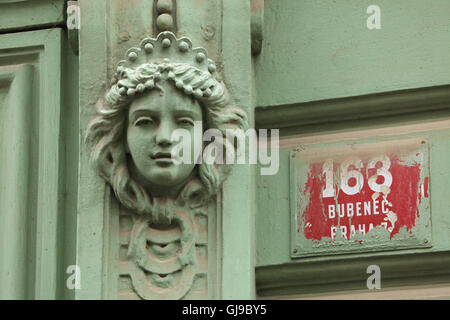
pixel 310 68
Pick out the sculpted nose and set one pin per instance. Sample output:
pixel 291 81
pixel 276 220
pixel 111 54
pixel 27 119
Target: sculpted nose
pixel 163 136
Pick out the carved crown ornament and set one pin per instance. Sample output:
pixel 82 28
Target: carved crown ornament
pixel 162 85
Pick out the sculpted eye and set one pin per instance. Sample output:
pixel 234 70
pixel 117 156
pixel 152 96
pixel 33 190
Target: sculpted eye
pixel 143 121
pixel 185 121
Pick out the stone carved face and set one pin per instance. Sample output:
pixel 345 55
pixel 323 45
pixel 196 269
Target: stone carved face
pixel 163 85
pixel 152 118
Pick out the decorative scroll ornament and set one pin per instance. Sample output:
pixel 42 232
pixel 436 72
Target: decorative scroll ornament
pixel 164 84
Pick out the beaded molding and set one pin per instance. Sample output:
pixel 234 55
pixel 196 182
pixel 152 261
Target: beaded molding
pixel 164 13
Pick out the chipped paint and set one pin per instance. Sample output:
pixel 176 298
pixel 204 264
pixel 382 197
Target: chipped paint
pixel 366 196
pixel 366 209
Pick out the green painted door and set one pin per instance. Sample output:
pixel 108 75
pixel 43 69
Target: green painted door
pixel 38 90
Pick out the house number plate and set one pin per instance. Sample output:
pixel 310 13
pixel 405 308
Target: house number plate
pixel 367 196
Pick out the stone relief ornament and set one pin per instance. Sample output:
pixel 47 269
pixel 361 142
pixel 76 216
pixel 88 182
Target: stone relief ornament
pixel 162 85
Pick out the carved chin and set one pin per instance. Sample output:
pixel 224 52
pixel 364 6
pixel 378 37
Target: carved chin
pixel 169 177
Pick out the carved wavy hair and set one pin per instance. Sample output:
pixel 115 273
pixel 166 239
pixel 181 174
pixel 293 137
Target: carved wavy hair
pixel 106 131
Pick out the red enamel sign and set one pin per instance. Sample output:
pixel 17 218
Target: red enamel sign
pixel 343 197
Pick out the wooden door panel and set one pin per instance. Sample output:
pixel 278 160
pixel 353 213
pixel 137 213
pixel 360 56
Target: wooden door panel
pixel 30 196
pixel 14 157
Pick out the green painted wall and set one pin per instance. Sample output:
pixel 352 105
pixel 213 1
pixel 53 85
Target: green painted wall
pixel 274 214
pixel 312 50
pixel 322 49
pixel 278 273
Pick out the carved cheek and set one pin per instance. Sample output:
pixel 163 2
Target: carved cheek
pixel 140 143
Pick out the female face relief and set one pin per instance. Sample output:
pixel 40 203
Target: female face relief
pixel 152 118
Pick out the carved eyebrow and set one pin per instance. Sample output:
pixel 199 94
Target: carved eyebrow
pixel 142 112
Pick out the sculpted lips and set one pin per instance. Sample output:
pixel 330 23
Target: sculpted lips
pixel 161 155
pixel 162 158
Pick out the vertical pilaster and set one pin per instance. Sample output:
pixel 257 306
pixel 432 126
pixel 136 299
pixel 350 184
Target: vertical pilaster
pixel 102 243
pixel 238 277
pixel 164 12
pixel 91 210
